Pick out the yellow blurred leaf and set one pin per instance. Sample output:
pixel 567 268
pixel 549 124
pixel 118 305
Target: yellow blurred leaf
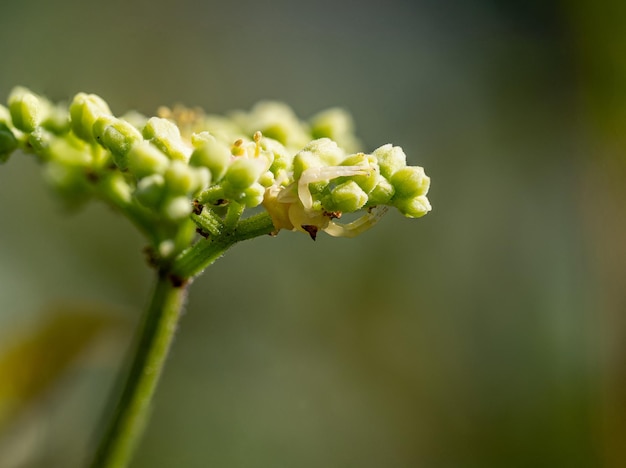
pixel 37 357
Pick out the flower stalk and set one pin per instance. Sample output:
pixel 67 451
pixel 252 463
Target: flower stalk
pixel 150 351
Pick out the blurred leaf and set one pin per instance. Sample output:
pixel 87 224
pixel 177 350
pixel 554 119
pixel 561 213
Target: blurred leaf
pixel 39 356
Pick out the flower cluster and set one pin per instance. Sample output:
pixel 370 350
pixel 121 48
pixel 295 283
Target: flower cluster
pixel 165 169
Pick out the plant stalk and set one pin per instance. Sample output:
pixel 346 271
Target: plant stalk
pixel 131 413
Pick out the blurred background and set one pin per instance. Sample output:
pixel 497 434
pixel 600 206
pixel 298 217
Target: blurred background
pixel 490 333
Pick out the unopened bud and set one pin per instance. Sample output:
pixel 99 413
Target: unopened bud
pixel 390 159
pixel 413 207
pixel 165 135
pixel 85 109
pixel 213 155
pixel 347 197
pixel 118 136
pixel 26 109
pixel 410 182
pixel 145 159
pixel 8 142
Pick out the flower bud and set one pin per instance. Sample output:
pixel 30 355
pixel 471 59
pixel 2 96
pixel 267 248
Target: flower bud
pixel 331 123
pixel 410 182
pixel 346 197
pixel 390 159
pixel 117 136
pixel 165 135
pixel 8 142
pixel 68 151
pixel 179 178
pixel 367 181
pixel 85 109
pixel 213 155
pixel 413 207
pixel 253 195
pixel 381 194
pixel 242 173
pixel 145 159
pixel 177 208
pixel 150 190
pixel 26 109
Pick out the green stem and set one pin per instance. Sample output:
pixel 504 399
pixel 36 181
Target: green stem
pixel 196 258
pixel 118 442
pixel 160 321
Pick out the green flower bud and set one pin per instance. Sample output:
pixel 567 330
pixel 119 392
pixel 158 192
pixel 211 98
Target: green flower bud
pixel 213 155
pixel 39 141
pixel 85 109
pixel 26 109
pixel 5 115
pixel 410 182
pixel 145 159
pixel 116 186
pixel 413 207
pixel 68 151
pixel 57 119
pixel 117 136
pixel 176 208
pixel 326 150
pixel 275 120
pixel 165 135
pixel 68 181
pixel 336 124
pixel 331 123
pixel 179 178
pixel 8 142
pixel 253 195
pixel 368 181
pixel 282 159
pixel 390 159
pixel 242 173
pixel 346 197
pixel 381 194
pixel 150 190
pixel 199 139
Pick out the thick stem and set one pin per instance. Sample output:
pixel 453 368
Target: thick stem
pixel 160 322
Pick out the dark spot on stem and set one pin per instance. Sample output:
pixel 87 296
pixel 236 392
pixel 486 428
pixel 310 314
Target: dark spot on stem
pixel 202 232
pixel 197 207
pixel 151 256
pixel 177 281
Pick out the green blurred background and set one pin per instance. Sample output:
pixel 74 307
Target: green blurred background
pixel 490 333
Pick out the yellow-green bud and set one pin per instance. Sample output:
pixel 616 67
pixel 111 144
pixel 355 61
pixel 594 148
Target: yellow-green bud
pixel 381 194
pixel 145 159
pixel 253 195
pixel 410 182
pixel 8 142
pixel 413 207
pixel 165 135
pixel 213 155
pixel 26 109
pixel 242 173
pixel 85 109
pixel 331 123
pixel 68 151
pixel 177 208
pixel 390 159
pixel 347 197
pixel 367 181
pixel 150 190
pixel 179 178
pixel 117 136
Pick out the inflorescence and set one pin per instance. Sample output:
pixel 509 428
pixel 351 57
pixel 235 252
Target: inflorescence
pixel 186 168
